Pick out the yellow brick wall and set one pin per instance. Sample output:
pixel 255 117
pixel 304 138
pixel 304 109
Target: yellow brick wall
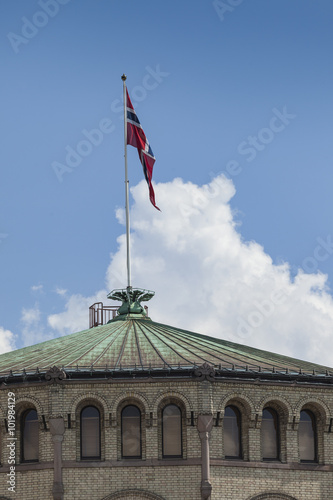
pixel 303 485
pixel 97 480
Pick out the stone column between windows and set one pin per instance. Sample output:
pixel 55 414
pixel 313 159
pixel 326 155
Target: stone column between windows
pixel 57 429
pixel 205 424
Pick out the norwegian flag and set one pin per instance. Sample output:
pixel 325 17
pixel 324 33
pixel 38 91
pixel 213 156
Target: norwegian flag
pixel 137 138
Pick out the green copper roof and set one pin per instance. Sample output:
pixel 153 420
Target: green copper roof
pixel 134 342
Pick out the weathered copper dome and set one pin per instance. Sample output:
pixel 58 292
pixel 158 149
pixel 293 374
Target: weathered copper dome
pixel 132 345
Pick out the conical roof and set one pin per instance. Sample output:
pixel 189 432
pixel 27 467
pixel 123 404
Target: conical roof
pixel 133 345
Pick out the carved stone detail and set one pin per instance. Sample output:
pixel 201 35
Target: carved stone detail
pixel 205 372
pixel 55 374
pixel 57 426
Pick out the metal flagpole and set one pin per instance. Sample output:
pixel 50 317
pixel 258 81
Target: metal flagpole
pixel 129 286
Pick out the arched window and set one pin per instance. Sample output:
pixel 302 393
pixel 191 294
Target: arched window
pixel 131 432
pixel 172 445
pixel 270 435
pixel 30 436
pixel 307 437
pixel 232 432
pixel 90 433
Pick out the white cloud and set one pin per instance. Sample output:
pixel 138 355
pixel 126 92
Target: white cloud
pixel 75 317
pixel 31 316
pixel 7 340
pixel 33 330
pixel 207 279
pixel 61 291
pixel 37 288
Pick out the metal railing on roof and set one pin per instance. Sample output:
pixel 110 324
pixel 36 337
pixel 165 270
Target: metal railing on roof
pixel 221 370
pixel 99 314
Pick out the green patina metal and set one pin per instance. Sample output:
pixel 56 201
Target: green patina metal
pixel 140 342
pixel 132 341
pixel 131 298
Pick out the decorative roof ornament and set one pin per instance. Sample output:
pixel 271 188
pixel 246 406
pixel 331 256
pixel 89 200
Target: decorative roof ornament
pixel 55 374
pixel 205 372
pixel 131 298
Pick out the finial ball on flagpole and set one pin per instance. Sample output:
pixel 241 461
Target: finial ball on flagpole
pixel 124 77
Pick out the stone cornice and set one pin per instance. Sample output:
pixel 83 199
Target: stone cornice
pixel 154 462
pixel 193 373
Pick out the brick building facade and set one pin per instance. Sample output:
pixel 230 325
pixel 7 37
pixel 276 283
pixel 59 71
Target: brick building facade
pixel 138 410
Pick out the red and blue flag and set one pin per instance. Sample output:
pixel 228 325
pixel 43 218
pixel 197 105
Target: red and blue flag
pixel 137 138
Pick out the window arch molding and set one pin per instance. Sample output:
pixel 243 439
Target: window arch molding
pixel 123 397
pixel 139 494
pixel 24 402
pixel 166 401
pixel 77 423
pixel 271 495
pixel 317 406
pixel 238 398
pixel 176 396
pixel 281 405
pixel 95 398
pixel 132 401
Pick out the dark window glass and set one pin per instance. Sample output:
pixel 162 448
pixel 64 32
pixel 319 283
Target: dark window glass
pixel 131 432
pixel 307 437
pixel 172 431
pixel 270 435
pixel 232 432
pixel 30 436
pixel 90 433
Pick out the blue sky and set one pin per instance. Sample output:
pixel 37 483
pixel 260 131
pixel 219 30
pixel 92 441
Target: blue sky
pixel 244 90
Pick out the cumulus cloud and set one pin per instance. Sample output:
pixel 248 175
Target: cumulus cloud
pixel 33 329
pixel 209 280
pixel 74 318
pixel 7 340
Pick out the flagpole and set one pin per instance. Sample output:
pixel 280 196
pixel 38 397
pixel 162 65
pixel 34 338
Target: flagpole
pixel 129 286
